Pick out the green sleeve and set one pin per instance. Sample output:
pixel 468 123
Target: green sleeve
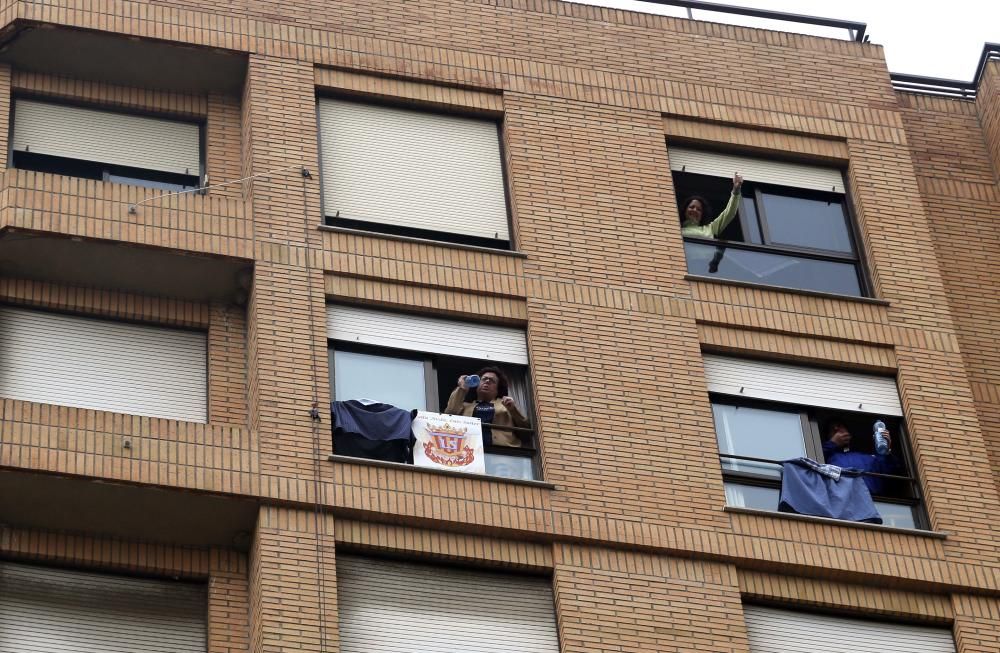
pixel 720 223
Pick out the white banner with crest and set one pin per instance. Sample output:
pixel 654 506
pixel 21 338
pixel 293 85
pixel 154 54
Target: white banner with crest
pixel 451 442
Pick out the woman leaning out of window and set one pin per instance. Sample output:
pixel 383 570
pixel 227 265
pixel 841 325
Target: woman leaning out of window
pixel 490 403
pixel 696 207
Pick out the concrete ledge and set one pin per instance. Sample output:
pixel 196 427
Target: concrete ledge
pixel 937 535
pixel 333 458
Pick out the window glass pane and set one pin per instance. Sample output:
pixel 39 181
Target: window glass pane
pixel 760 433
pixel 748 211
pixel 895 514
pixel 509 466
pixel 806 223
pixel 739 495
pixel 395 381
pixel 771 269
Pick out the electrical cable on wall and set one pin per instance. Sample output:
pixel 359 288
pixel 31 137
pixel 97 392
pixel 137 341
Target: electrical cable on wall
pixel 134 208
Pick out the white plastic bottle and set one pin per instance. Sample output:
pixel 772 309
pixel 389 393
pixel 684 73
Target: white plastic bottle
pixel 881 442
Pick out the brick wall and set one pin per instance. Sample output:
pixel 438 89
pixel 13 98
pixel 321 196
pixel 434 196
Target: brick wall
pixel 631 525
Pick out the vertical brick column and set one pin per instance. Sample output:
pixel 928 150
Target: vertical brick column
pixel 977 623
pixel 5 78
pixel 223 140
pixel 988 108
pixel 286 314
pixel 293 583
pixel 227 361
pixel 634 603
pixel 228 603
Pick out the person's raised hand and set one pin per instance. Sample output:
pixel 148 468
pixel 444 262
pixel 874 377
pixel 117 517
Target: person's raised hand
pixel 461 382
pixel 507 402
pixel 737 182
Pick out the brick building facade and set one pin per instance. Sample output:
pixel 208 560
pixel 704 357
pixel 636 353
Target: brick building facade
pixel 626 518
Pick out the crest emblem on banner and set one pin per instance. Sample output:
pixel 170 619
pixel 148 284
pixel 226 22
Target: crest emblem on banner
pixel 448 442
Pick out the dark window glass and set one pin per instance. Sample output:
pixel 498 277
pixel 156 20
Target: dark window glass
pixel 802 222
pixel 772 268
pixel 751 224
pixel 58 165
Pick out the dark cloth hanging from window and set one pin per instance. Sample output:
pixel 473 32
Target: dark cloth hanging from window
pixel 375 431
pixel 809 488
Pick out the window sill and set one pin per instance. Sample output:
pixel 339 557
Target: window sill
pixel 795 291
pixel 937 535
pixel 334 458
pixel 422 241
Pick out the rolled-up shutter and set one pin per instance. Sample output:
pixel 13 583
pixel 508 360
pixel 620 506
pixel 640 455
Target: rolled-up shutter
pixel 431 335
pixel 780 173
pixel 44 610
pixel 803 386
pixel 396 607
pixel 412 169
pixel 107 137
pixel 784 631
pixel 103 365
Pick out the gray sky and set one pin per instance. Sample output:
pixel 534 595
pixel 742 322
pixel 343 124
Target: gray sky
pixel 935 39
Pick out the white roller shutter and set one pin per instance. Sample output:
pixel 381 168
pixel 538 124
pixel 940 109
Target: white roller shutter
pixel 783 631
pixel 412 169
pixel 804 386
pixel 103 365
pixel 47 610
pixel 432 335
pixel 396 607
pixel 107 137
pixel 780 173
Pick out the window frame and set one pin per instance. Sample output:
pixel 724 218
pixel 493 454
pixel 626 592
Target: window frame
pixel 813 445
pixel 533 452
pixel 109 169
pixel 752 192
pixel 338 222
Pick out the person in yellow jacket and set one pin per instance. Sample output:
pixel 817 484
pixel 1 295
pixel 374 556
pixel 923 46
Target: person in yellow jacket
pixel 491 404
pixel 696 207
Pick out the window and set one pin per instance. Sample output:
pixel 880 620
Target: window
pixel 389 605
pixel 773 629
pixel 44 609
pixel 770 412
pixel 106 145
pixel 413 362
pixel 793 228
pixel 103 365
pixel 413 173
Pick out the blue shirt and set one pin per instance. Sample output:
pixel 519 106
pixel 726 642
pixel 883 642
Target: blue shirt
pixel 866 462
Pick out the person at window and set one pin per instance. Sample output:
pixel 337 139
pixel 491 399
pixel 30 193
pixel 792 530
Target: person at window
pixel 837 451
pixel 697 207
pixel 491 404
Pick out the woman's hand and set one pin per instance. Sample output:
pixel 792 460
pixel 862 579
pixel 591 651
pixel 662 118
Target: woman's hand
pixel 507 402
pixel 461 382
pixel 737 182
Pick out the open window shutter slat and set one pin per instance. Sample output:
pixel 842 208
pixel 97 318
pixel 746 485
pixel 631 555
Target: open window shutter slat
pixel 772 630
pixel 46 610
pixel 103 365
pixel 780 173
pixel 802 386
pixel 107 137
pixel 412 169
pixel 427 334
pixel 396 607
